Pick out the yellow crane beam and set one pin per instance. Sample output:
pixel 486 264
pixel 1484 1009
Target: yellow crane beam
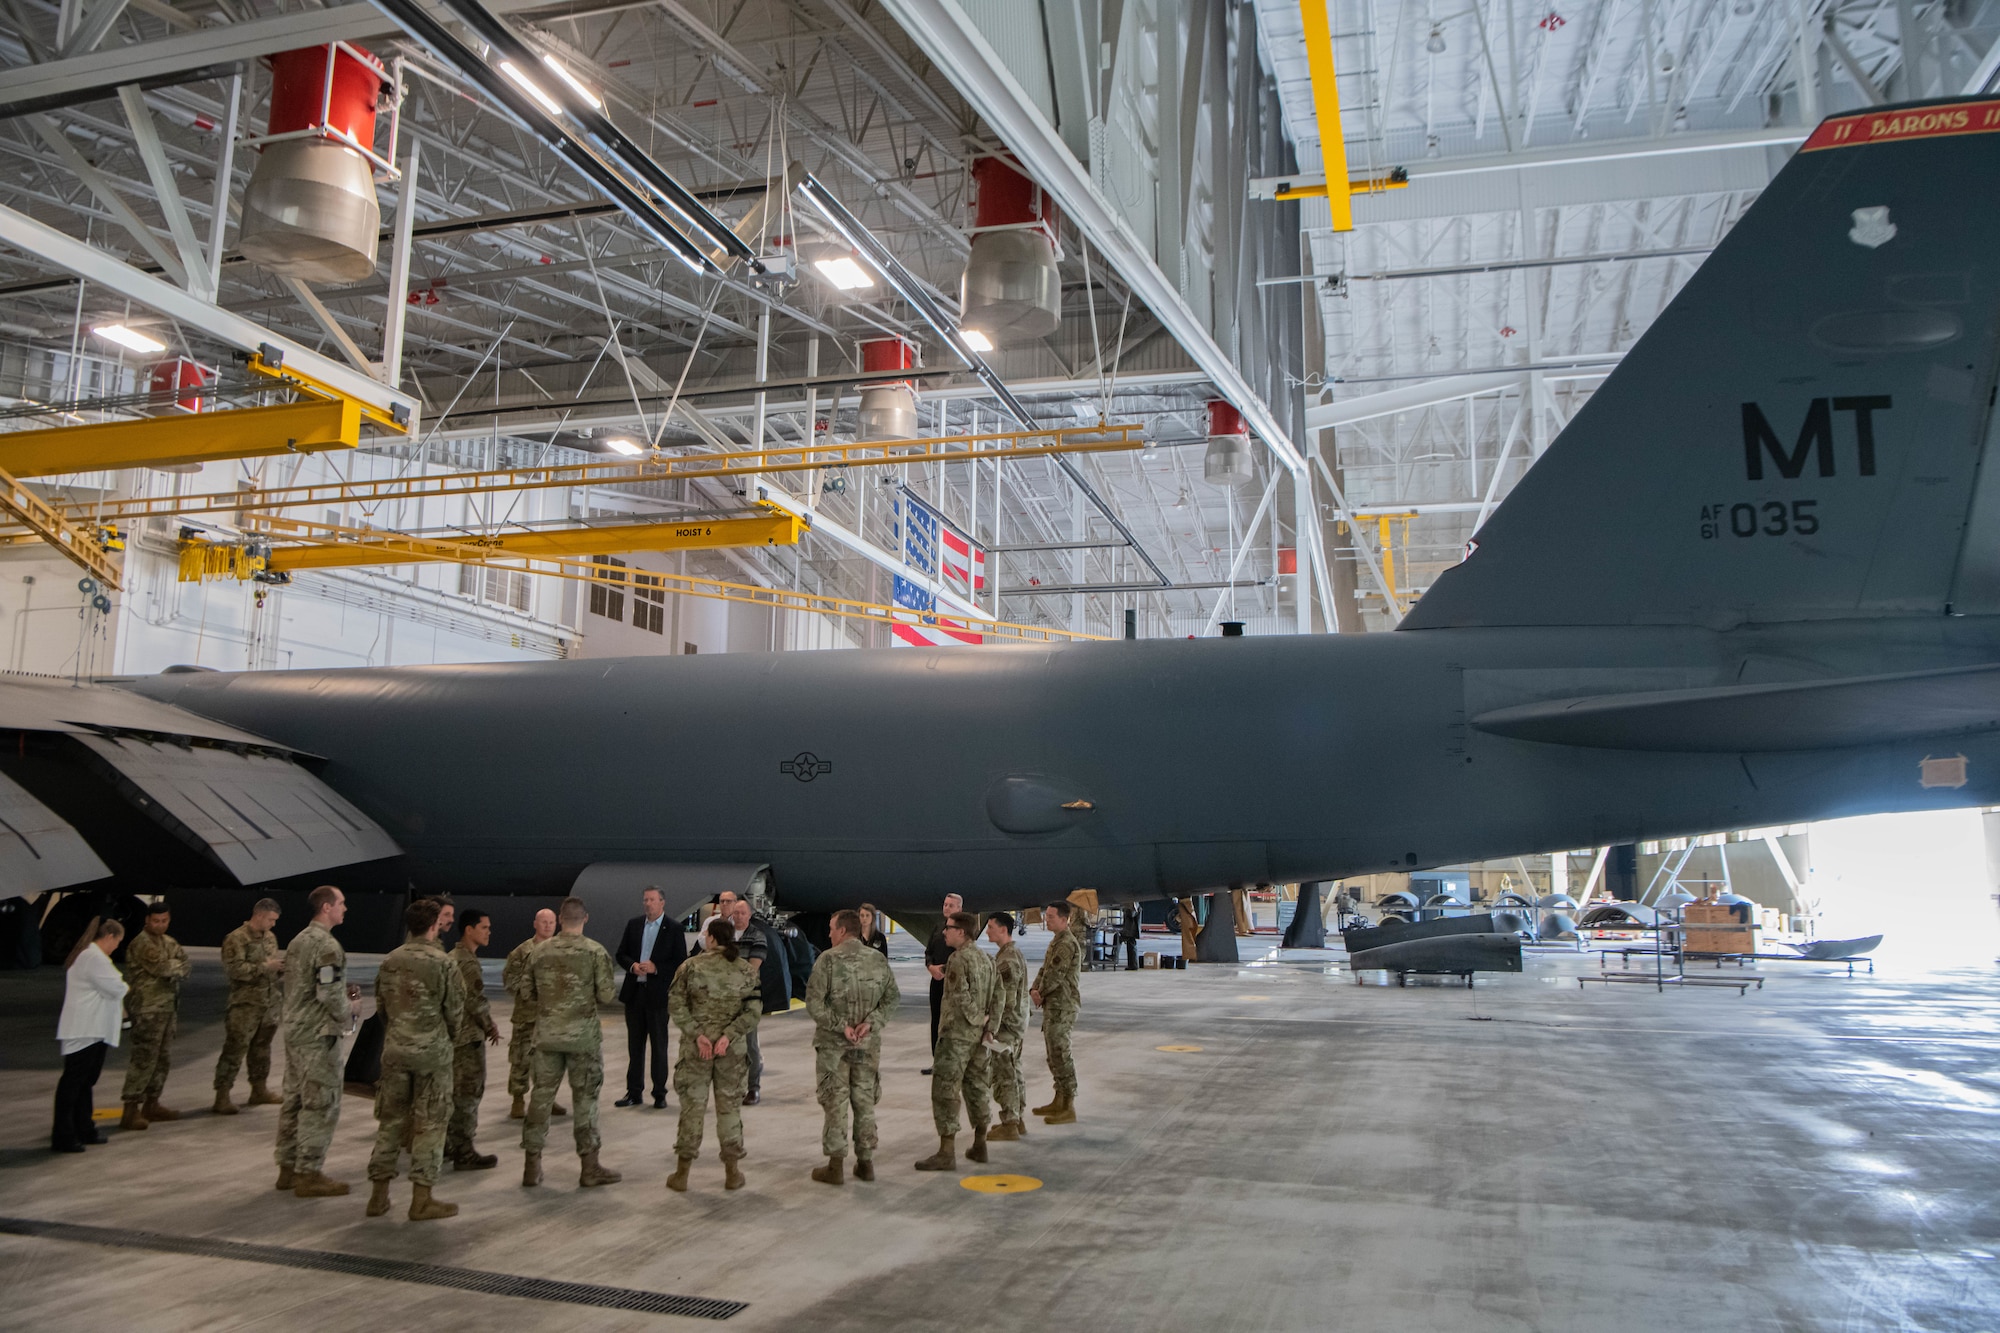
pixel 52 526
pixel 1326 111
pixel 199 437
pixel 661 467
pixel 468 551
pixel 349 547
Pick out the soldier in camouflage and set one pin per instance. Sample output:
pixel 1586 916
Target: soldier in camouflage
pixel 568 978
pixel 155 967
pixel 1010 980
pixel 714 1002
pixel 468 1057
pixel 253 962
pixel 1058 991
pixel 969 1014
pixel 421 998
pixel 850 998
pixel 318 1007
pixel 521 1028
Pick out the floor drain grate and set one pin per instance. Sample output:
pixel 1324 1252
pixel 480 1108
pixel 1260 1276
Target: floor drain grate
pixel 394 1270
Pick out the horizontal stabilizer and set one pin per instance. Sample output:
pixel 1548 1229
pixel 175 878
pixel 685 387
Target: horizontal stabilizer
pixel 1807 715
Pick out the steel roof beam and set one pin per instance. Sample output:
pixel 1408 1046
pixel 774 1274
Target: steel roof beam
pixel 951 40
pixel 23 233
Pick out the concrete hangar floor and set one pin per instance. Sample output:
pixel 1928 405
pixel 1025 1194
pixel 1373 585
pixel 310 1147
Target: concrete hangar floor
pixel 1820 1154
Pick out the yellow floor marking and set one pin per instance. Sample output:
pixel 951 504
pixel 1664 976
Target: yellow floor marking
pixel 1177 1048
pixel 1252 999
pixel 1000 1184
pixel 107 1113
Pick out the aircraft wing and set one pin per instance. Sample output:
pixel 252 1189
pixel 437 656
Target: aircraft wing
pixel 236 799
pixel 38 848
pixel 1798 715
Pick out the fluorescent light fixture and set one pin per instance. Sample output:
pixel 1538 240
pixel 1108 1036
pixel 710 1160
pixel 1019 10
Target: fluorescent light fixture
pixel 528 86
pixel 575 84
pixel 625 447
pixel 976 340
pixel 129 338
pixel 844 272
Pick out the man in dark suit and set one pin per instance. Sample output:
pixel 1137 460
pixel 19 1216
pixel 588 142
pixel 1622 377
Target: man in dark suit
pixel 650 953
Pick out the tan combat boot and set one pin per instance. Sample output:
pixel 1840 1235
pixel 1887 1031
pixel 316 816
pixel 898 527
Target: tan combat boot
pixel 261 1095
pixel 531 1170
pixel 317 1185
pixel 977 1152
pixel 520 1111
pixel 834 1172
pixel 1064 1112
pixel 1004 1132
pixel 134 1117
pixel 864 1169
pixel 223 1106
pixel 285 1181
pixel 1054 1102
pixel 155 1111
pixel 378 1199
pixel 423 1208
pixel 944 1159
pixel 594 1174
pixel 732 1175
pixel 678 1181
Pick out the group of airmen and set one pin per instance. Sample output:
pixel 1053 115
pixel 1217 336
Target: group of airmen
pixel 437 1024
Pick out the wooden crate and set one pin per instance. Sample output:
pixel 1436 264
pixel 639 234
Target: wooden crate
pixel 1713 928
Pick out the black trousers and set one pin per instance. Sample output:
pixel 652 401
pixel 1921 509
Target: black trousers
pixel 937 1011
pixel 74 1123
pixel 1131 955
pixel 642 1022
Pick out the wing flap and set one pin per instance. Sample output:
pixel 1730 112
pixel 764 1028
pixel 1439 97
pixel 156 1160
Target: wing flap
pixel 38 848
pixel 258 814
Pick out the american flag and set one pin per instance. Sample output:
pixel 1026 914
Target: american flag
pixel 941 633
pixel 960 563
pixel 930 547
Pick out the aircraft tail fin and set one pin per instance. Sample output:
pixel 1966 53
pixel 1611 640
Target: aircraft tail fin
pixel 1800 434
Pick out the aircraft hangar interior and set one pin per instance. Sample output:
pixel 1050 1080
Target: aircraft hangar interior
pixel 1389 610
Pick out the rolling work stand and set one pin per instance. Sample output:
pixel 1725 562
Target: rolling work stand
pixel 1668 942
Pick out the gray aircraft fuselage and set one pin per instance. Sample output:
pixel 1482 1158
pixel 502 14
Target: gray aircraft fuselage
pixel 889 775
pixel 1794 475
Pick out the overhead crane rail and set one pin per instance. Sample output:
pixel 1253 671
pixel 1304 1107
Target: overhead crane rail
pixel 322 418
pixel 331 546
pixel 85 546
pixel 471 551
pixel 626 471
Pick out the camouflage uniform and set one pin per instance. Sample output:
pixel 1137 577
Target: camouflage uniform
pixel 713 997
pixel 155 966
pixel 313 1017
pixel 1059 981
pixel 251 1020
pixel 960 1068
pixel 568 977
pixel 421 999
pixel 468 1057
pixel 521 1033
pixel 1010 979
pixel 851 984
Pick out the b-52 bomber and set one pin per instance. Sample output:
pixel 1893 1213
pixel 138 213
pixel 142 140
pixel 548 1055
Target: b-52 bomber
pixel 1755 581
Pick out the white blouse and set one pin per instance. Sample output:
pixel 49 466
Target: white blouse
pixel 93 1002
